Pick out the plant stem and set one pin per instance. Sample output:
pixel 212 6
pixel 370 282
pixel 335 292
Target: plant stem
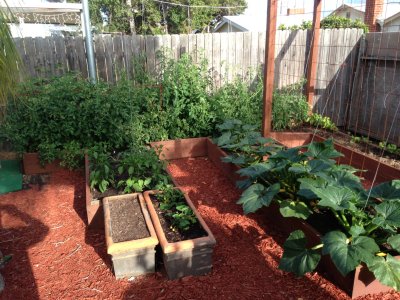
pixel 342 222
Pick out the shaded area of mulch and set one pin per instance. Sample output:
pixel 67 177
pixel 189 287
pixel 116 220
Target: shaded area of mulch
pixel 55 257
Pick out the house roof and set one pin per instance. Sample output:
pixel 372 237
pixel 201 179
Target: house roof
pixel 259 22
pixel 390 10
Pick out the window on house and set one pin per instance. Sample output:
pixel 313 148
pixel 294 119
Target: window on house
pixel 348 15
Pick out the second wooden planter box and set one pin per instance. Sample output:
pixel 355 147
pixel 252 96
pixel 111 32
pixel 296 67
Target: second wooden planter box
pixel 188 257
pixel 123 215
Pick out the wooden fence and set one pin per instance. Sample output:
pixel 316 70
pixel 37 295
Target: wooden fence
pixel 366 105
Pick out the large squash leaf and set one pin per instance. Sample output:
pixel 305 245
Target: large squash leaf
pixel 296 257
pixel 346 254
pixel 258 195
pixel 313 167
pixel 394 242
pixel 387 191
pixel 294 209
pixel 388 214
pixel 336 198
pixel 324 150
pixel 387 271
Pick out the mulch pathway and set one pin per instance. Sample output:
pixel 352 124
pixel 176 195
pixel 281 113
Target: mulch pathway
pixel 56 257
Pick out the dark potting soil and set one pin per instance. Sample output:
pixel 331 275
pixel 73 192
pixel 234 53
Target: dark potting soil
pixel 127 220
pixel 195 230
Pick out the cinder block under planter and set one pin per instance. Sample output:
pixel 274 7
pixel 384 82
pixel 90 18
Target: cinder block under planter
pixel 188 257
pixel 130 257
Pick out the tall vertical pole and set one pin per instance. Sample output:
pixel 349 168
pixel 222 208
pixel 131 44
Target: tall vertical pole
pixel 89 41
pixel 269 66
pixel 313 59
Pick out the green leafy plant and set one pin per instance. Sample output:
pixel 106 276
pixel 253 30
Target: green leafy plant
pixel 101 169
pixel 305 181
pixel 391 148
pixel 172 201
pixel 244 143
pixel 140 169
pixel 289 107
pixel 321 121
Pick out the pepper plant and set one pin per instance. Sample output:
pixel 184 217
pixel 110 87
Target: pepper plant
pixel 306 181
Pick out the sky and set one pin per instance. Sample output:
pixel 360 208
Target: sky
pixel 256 7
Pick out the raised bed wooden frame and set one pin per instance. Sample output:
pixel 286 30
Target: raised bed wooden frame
pixel 358 283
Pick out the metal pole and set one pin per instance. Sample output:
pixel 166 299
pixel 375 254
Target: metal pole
pixel 89 42
pixel 312 69
pixel 269 67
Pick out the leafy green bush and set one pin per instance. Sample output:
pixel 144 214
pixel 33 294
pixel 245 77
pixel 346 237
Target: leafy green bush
pixel 239 100
pixel 330 22
pixel 289 107
pixel 321 121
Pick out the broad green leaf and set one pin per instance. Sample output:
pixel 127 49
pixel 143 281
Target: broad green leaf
pixel 348 255
pixel 387 190
pixel 237 160
pixel 313 166
pixel 294 209
pixel 296 257
pixel 229 124
pixel 224 139
pixel 324 150
pixel 258 195
pixel 291 154
pixel 120 170
pixel 387 271
pixel 336 197
pixel 356 230
pixel 243 184
pixel 307 185
pixel 256 170
pixel 344 178
pixel 388 213
pixel 394 242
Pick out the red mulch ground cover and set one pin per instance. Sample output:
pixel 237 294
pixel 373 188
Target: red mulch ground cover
pixel 55 257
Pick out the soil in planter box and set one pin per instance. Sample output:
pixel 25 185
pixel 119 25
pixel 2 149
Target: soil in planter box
pixel 195 231
pixel 128 222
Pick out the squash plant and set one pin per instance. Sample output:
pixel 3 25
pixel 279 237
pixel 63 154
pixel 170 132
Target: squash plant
pixel 244 143
pixel 306 181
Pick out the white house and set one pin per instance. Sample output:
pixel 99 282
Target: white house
pixel 389 19
pixel 41 18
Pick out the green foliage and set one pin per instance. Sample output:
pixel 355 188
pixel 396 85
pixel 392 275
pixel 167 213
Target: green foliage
pixel 320 121
pixel 391 148
pixel 245 144
pixel 329 22
pixel 334 21
pixel 239 100
pixel 186 97
pixel 10 61
pixel 134 170
pixel 149 17
pixel 140 169
pixel 173 202
pixel 305 181
pixel 289 107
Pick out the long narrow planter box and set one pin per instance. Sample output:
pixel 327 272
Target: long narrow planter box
pixel 384 172
pixel 32 166
pixel 133 257
pixel 188 257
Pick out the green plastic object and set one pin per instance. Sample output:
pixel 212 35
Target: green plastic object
pixel 10 176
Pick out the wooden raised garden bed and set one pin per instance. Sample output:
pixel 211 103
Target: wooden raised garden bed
pixel 130 235
pixel 357 283
pixel 186 257
pixel 32 166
